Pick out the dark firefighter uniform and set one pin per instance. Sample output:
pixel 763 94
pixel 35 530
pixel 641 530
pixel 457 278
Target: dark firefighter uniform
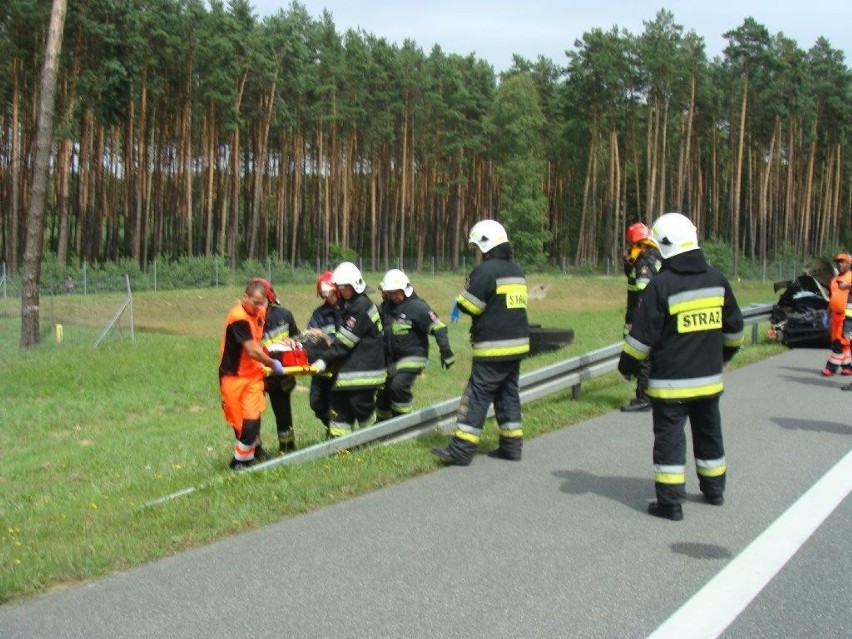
pixel 327 319
pixel 495 296
pixel 280 325
pixel 641 264
pixel 359 354
pixel 688 323
pixel 241 380
pixel 407 328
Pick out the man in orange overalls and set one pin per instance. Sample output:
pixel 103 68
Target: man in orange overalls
pixel 241 361
pixel 840 356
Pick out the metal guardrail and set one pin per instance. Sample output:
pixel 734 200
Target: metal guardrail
pixel 440 417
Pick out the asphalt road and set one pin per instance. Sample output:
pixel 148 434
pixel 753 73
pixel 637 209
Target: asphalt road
pixel 558 545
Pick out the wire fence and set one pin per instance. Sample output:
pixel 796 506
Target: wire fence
pixel 78 303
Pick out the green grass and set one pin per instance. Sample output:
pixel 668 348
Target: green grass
pixel 90 435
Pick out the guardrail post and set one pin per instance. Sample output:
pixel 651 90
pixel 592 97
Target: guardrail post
pixel 575 392
pixel 754 332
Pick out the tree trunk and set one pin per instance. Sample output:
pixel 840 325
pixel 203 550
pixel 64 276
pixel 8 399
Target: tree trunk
pixel 30 333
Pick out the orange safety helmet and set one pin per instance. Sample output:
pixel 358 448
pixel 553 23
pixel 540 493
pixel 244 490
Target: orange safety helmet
pixel 843 257
pixel 270 292
pixel 637 232
pixel 325 285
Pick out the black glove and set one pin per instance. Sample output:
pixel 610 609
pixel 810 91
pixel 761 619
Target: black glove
pixel 447 360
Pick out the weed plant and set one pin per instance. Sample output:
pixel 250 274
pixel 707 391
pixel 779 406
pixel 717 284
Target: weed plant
pixel 91 435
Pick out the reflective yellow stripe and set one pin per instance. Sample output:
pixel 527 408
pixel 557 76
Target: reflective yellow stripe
pixel 696 304
pixel 469 306
pixel 468 437
pixel 685 393
pixel 634 353
pixel 501 351
pixel 518 432
pixel 670 478
pixel 711 472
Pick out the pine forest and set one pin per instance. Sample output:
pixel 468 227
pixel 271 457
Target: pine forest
pixel 188 128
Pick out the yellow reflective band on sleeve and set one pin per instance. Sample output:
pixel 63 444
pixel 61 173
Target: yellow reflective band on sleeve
pixel 633 352
pixel 469 306
pixel 670 478
pixel 516 295
pixel 733 341
pixel 468 437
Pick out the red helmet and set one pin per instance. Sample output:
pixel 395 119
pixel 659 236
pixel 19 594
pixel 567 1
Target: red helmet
pixel 325 285
pixel 270 292
pixel 843 257
pixel 637 232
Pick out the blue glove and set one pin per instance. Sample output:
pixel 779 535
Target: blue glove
pixel 277 368
pixel 455 313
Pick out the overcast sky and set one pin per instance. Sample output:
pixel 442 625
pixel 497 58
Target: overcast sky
pixel 495 29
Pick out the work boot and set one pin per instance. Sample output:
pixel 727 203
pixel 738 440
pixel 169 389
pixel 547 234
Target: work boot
pixel 447 457
pixel 286 447
pixel 714 500
pixel 637 405
pixel 260 453
pixel 674 512
pixel 847 387
pixel 826 372
pixel 846 371
pixel 499 453
pixel 240 466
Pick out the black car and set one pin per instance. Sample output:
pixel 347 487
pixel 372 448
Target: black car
pixel 801 317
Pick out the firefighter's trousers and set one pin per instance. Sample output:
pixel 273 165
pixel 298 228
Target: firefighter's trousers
pixel 489 382
pixel 396 396
pixel 351 406
pixel 670 448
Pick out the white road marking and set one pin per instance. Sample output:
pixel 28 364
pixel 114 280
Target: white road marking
pixel 723 598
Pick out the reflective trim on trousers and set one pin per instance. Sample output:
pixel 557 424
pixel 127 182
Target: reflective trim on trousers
pixel 711 467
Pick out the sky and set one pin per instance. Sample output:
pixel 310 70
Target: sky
pixel 494 30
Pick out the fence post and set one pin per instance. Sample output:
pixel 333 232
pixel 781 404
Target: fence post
pixel 155 274
pixel 3 280
pixel 432 261
pixel 268 268
pixel 130 307
pixel 216 268
pixel 85 278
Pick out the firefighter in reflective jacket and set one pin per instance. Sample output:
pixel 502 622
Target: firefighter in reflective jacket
pixel 495 296
pixel 278 331
pixel 359 353
pixel 408 322
pixel 322 332
pixel 641 262
pixel 688 323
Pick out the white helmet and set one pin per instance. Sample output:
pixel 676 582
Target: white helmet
pixel 348 273
pixel 396 280
pixel 674 234
pixel 487 234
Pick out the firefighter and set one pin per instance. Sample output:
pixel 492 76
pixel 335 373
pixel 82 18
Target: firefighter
pixel 278 331
pixel 495 296
pixel 840 356
pixel 408 322
pixel 641 262
pixel 358 352
pixel 241 362
pixel 322 328
pixel 688 323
